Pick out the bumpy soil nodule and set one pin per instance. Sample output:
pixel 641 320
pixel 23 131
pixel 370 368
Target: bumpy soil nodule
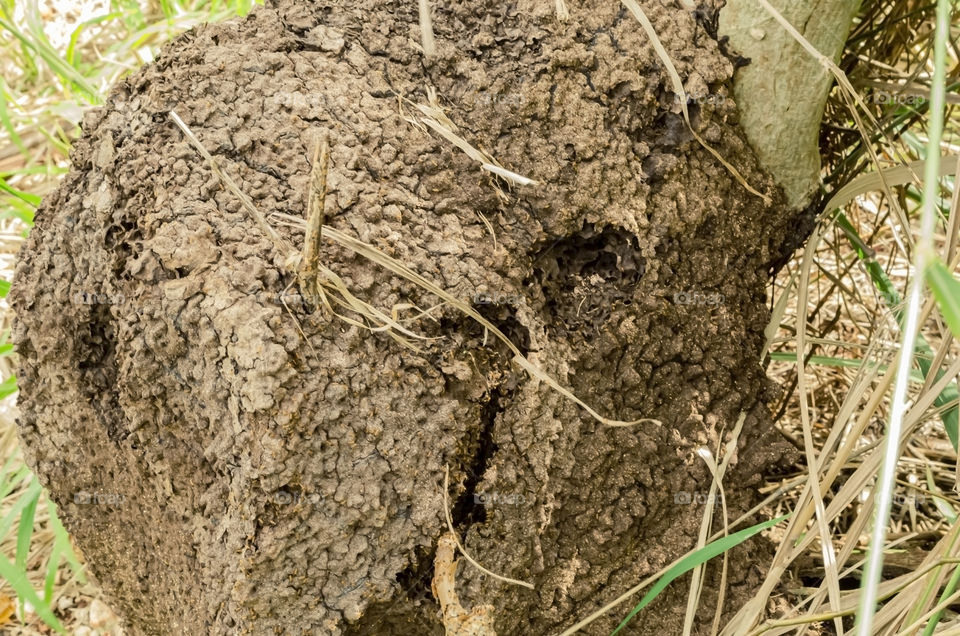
pixel 221 476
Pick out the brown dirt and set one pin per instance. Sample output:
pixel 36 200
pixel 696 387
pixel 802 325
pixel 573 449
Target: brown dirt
pixel 221 478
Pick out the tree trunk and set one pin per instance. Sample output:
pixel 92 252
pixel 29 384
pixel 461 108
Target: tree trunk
pixel 229 466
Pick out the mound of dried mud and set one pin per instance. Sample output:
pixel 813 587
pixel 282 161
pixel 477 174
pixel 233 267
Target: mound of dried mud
pixel 222 476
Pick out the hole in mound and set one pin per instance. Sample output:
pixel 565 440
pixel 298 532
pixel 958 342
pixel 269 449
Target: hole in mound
pixel 583 275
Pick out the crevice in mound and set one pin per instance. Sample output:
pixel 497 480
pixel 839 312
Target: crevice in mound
pixel 583 275
pixel 467 510
pixel 415 578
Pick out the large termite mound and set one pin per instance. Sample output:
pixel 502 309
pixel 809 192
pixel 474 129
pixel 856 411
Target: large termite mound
pixel 223 474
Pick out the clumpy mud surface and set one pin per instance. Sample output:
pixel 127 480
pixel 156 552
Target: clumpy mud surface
pixel 224 477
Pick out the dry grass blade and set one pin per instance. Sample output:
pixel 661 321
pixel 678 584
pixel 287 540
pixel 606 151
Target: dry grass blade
pixel 826 542
pixel 776 316
pixel 718 474
pixel 682 94
pixel 890 588
pixel 426 29
pixel 316 197
pixel 953 227
pixel 696 583
pixel 278 242
pixel 436 119
pixel 891 176
pixel 799 536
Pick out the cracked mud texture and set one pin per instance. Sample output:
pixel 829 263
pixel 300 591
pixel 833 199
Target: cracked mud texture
pixel 223 477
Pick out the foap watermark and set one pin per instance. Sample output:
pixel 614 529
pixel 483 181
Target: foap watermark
pixel 498 499
pixel 284 498
pixel 93 298
pixel 711 299
pixel 495 298
pixel 501 99
pixel 84 498
pixel 686 498
pixel 886 98
pixel 515 94
pixel 700 100
pixel 912 500
pixel 296 100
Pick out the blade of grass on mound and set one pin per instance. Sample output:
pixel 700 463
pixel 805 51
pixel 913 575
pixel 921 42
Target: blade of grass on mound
pixel 695 559
pixel 924 353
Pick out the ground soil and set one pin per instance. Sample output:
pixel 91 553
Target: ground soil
pixel 222 476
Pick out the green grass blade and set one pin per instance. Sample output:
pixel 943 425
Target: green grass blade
pixel 26 197
pixel 19 212
pixel 61 540
pixel 25 499
pixel 839 363
pixel 7 122
pixel 8 484
pixel 131 13
pixel 946 290
pixel 17 579
pixel 71 53
pixel 50 580
pixel 25 530
pixel 61 69
pixel 699 557
pixel 8 387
